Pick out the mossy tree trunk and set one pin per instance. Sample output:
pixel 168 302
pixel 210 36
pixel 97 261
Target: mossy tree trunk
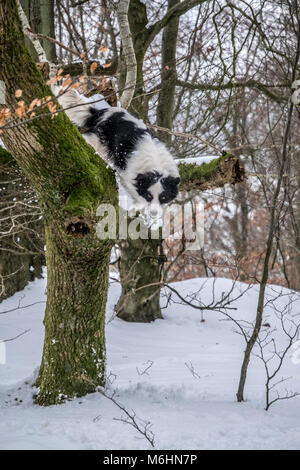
pixel 140 267
pixel 71 181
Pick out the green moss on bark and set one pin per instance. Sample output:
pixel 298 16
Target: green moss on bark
pixel 71 181
pixel 216 173
pixel 6 157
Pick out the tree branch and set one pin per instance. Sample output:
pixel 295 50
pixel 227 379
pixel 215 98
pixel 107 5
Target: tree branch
pixel 34 39
pixel 264 88
pixel 129 53
pixel 176 11
pixel 226 169
pixel 27 30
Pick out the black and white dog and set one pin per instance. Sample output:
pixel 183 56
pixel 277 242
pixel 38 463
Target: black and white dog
pixel 145 166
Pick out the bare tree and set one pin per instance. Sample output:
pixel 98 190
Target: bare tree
pixel 273 357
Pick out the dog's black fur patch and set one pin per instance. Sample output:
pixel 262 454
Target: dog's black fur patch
pixel 170 189
pixel 143 183
pixel 116 133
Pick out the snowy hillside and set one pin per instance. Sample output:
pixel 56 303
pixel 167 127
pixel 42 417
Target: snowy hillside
pixel 150 367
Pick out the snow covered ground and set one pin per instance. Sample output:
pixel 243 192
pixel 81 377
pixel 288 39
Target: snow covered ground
pixel 186 411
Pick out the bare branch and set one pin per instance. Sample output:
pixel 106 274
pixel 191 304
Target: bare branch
pixel 129 53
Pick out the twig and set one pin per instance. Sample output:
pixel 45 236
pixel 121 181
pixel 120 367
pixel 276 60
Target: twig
pixel 15 337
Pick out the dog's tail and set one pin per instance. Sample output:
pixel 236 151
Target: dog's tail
pixel 79 108
pixel 76 106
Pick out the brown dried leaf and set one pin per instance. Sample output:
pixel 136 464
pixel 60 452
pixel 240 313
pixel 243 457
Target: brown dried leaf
pixel 53 80
pixel 75 85
pixel 67 83
pixel 33 104
pixel 93 67
pixel 6 113
pixel 20 112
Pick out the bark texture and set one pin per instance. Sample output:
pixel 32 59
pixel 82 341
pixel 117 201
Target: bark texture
pixel 40 16
pixel 137 16
pixel 166 97
pixel 140 266
pixel 71 181
pixel 226 169
pixel 128 52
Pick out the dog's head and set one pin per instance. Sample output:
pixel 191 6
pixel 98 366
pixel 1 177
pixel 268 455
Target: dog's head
pixel 151 175
pixel 156 189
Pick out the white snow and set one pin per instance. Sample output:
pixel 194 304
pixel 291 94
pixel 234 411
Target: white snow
pixel 197 160
pixel 185 412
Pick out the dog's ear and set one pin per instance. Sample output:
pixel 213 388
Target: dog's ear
pixel 170 181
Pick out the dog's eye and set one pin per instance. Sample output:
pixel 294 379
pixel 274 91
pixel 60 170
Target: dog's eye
pixel 148 197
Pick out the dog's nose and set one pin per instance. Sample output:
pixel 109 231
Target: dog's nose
pixel 153 212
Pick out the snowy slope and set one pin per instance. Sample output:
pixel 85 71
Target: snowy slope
pixel 186 412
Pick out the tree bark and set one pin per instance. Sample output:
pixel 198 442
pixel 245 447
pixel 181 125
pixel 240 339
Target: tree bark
pixel 166 97
pixel 226 169
pixel 128 53
pixel 47 28
pixel 137 16
pixel 140 266
pixel 71 181
pixel 40 16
